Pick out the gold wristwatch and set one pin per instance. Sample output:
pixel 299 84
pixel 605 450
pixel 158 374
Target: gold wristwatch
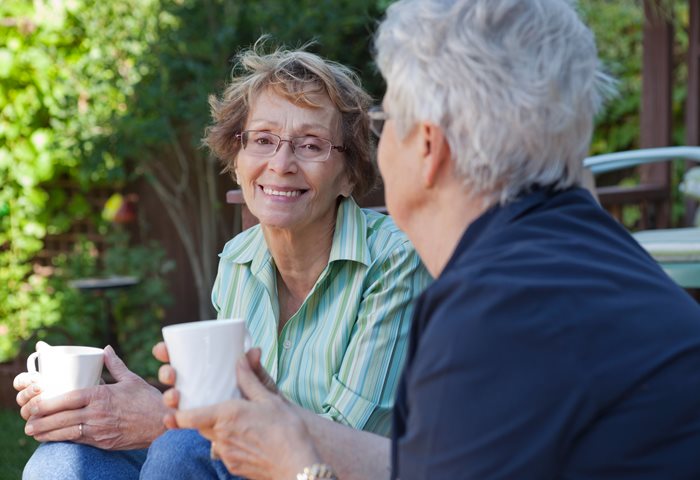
pixel 317 471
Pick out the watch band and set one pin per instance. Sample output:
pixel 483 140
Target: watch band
pixel 317 471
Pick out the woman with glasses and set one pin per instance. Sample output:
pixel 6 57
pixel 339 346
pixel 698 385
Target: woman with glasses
pixel 325 287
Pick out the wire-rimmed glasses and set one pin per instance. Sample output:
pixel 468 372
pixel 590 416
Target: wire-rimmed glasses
pixel 307 148
pixel 377 117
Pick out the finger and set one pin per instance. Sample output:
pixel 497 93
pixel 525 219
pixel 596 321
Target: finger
pixel 115 365
pixel 27 394
pixel 57 425
pixel 169 421
pixel 40 407
pixel 70 433
pixel 199 418
pixel 166 375
pixel 24 379
pixel 171 398
pixel 160 351
pixel 248 382
pixel 253 355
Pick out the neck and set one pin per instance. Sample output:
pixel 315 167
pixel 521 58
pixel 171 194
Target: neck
pixel 300 257
pixel 436 229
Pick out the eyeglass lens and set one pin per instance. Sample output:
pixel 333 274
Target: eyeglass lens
pixel 376 125
pixel 265 144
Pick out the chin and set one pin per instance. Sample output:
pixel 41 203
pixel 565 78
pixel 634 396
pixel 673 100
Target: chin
pixel 277 221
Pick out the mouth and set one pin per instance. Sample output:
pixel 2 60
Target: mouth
pixel 282 192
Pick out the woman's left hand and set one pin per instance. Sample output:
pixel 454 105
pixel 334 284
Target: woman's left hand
pixel 261 436
pixel 124 415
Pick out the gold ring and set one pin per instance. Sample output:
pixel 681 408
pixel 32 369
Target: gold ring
pixel 213 454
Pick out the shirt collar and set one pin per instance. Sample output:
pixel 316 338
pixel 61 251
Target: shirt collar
pixel 498 216
pixel 350 235
pixel 349 241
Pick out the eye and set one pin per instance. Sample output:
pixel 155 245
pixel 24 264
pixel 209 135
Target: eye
pixel 262 138
pixel 311 144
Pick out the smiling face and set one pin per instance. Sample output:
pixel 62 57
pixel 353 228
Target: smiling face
pixel 283 191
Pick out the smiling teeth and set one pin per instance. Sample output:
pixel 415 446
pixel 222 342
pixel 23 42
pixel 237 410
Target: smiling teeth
pixel 269 191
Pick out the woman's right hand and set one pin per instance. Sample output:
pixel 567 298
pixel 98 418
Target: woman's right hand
pixel 120 416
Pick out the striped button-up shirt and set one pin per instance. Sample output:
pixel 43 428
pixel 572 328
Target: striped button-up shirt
pixel 341 353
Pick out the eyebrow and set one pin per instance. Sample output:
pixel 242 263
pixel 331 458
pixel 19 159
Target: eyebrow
pixel 304 127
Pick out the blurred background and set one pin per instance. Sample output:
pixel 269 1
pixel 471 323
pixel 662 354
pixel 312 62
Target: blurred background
pixel 102 175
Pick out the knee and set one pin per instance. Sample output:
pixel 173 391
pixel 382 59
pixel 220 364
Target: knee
pixel 175 450
pixel 55 460
pixel 73 461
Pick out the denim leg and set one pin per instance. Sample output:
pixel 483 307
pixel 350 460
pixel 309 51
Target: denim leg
pixel 73 461
pixel 181 455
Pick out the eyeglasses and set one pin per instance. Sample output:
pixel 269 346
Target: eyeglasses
pixel 377 117
pixel 266 144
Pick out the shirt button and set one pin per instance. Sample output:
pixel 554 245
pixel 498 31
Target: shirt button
pixel 287 344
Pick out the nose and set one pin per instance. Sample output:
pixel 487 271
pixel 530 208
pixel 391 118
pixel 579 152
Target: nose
pixel 284 160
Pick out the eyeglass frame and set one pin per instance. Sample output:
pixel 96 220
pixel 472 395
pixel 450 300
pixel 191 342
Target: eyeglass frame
pixel 377 117
pixel 339 148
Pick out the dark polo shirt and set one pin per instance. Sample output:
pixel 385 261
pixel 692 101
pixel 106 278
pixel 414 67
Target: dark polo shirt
pixel 550 347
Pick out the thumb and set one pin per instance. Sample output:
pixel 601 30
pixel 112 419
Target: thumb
pixel 248 382
pixel 115 365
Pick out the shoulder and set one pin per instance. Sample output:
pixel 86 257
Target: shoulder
pixel 384 237
pixel 244 246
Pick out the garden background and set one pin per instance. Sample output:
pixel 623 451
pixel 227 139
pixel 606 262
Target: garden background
pixel 102 108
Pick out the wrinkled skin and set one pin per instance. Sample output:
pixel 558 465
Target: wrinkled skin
pixel 261 436
pixel 124 415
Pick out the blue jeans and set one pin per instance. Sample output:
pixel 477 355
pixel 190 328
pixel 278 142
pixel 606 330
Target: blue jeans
pixel 175 455
pixel 180 455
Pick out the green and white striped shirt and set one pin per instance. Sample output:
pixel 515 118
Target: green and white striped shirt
pixel 342 352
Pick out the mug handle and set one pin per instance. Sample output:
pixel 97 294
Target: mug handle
pixel 31 362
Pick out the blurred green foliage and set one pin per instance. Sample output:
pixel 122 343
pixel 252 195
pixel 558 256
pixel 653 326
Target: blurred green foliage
pixel 66 70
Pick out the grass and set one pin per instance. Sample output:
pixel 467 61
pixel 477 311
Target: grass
pixel 15 446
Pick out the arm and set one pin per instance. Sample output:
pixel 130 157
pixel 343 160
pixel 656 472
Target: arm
pixel 123 415
pixel 266 436
pixel 362 393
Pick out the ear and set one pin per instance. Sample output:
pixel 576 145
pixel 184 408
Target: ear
pixel 436 153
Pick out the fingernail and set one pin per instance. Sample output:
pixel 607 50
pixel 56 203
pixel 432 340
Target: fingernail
pixel 34 410
pixel 35 388
pixel 29 429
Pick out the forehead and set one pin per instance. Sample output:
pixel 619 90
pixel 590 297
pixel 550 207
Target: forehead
pixel 270 109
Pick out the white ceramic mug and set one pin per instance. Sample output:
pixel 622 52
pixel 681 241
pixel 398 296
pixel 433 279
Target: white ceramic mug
pixel 65 368
pixel 204 356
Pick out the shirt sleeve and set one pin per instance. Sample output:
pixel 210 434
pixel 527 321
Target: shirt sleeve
pixel 362 392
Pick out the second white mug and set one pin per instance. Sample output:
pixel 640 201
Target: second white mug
pixel 204 355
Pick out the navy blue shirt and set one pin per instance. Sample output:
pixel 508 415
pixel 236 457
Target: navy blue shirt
pixel 550 347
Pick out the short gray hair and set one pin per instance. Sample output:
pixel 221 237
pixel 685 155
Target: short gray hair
pixel 514 84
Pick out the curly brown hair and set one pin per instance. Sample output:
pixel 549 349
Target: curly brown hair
pixel 295 75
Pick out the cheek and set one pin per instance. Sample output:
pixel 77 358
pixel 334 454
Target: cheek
pixel 382 157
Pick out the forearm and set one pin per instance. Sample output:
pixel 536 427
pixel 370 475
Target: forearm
pixel 353 454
